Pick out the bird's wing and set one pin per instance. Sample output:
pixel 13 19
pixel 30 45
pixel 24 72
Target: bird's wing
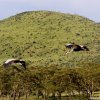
pixel 69 45
pixel 9 60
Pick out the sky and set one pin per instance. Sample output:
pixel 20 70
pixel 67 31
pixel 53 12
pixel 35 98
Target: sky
pixel 86 8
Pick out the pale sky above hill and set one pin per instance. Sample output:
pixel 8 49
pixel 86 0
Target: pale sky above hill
pixel 86 8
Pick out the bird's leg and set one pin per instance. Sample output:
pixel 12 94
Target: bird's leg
pixel 70 51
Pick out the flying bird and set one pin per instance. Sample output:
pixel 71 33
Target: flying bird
pixel 14 61
pixel 75 47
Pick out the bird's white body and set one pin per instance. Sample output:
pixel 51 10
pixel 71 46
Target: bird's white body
pixel 9 60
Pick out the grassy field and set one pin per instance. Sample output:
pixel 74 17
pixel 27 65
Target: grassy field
pixel 39 37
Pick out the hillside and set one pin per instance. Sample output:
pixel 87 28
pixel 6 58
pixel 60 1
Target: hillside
pixel 39 37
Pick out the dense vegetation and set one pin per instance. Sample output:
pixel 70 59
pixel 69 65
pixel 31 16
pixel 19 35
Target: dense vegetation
pixel 39 37
pixel 50 82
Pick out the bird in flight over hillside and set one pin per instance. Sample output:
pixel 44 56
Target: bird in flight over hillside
pixel 14 61
pixel 76 47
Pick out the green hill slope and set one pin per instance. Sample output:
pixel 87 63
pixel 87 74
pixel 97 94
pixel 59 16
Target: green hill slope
pixel 40 37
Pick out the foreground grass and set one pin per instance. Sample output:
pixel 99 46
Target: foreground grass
pixel 34 98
